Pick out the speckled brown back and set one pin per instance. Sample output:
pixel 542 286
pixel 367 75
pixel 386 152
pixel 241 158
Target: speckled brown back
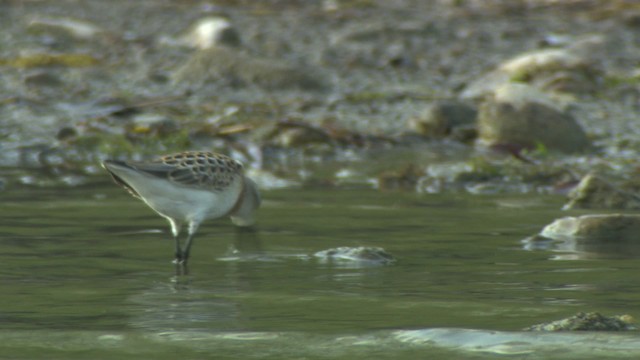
pixel 202 169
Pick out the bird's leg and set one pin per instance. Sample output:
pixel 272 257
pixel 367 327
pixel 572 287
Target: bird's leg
pixel 181 260
pixel 181 268
pixel 175 230
pixel 187 248
pixel 193 227
pixel 179 255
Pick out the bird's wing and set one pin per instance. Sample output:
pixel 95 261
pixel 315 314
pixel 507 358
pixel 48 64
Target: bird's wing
pixel 193 169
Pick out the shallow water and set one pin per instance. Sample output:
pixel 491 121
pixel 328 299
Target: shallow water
pixel 87 273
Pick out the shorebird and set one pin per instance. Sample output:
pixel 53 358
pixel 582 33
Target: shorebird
pixel 188 188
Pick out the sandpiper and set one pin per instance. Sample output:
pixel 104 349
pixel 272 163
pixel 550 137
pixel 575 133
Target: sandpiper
pixel 188 188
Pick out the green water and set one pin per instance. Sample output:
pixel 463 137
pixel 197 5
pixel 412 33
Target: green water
pixel 87 273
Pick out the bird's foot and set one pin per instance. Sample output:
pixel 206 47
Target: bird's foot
pixel 180 257
pixel 181 266
pixel 181 262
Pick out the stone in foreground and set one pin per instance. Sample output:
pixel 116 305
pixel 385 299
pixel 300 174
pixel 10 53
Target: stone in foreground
pixel 594 192
pixel 598 227
pixel 592 321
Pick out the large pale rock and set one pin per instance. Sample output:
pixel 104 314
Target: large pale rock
pixel 569 69
pixel 210 32
pixel 600 227
pixel 519 115
pixel 593 192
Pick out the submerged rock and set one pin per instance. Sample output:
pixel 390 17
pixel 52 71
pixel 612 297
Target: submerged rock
pixel 519 115
pixel 600 227
pixel 594 192
pixel 592 321
pixel 362 254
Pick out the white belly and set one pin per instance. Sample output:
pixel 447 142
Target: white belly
pixel 188 204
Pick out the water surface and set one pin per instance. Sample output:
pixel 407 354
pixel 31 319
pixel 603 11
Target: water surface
pixel 87 273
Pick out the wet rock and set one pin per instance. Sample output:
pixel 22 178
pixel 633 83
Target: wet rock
pixel 593 192
pixel 237 68
pixel 443 119
pixel 363 255
pixel 592 321
pixel 65 28
pixel 289 134
pixel 599 227
pixel 405 179
pixel 569 69
pixel 210 32
pixel 522 116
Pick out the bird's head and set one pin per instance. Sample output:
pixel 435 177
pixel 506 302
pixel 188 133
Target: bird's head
pixel 244 214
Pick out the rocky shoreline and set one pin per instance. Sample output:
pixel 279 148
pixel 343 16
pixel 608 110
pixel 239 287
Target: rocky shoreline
pixel 474 96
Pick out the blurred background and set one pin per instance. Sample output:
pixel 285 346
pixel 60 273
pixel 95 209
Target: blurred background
pixel 427 96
